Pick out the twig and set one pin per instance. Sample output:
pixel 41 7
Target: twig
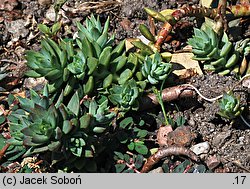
pixel 168 151
pixel 237 163
pixel 95 5
pixel 168 94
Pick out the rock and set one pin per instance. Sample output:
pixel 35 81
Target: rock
pixel 220 138
pixel 212 162
pixel 17 28
pixel 51 14
pixel 201 148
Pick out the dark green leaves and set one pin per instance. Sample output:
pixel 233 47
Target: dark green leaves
pixel 74 104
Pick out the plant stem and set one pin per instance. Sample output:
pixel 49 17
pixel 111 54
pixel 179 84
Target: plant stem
pixel 159 98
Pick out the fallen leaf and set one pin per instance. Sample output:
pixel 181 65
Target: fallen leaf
pixel 183 62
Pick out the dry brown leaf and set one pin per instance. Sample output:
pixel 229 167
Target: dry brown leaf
pixel 183 62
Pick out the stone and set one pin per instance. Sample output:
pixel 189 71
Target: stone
pixel 201 148
pixel 17 28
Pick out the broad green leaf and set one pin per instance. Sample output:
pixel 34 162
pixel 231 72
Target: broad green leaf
pixel 139 161
pixel 181 167
pixel 44 29
pixel 120 167
pixel 125 76
pixel 32 73
pixel 140 148
pixel 119 155
pixel 92 64
pixel 131 146
pixel 55 28
pixel 128 121
pixel 99 129
pixel 54 145
pixel 142 133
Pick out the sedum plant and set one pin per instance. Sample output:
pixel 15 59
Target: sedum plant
pixel 89 62
pixel 230 106
pixel 125 96
pixel 155 70
pixel 218 54
pixel 66 131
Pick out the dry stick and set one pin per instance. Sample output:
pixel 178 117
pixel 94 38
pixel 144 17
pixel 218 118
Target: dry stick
pixel 95 5
pixel 173 93
pixel 168 94
pixel 168 151
pixel 176 92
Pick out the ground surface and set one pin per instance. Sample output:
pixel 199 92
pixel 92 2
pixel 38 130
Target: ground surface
pixel 228 143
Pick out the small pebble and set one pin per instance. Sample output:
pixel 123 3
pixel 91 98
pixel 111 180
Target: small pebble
pixel 201 148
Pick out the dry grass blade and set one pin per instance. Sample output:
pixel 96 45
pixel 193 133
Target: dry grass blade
pixel 100 6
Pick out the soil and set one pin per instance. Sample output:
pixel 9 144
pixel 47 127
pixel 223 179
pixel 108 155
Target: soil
pixel 229 143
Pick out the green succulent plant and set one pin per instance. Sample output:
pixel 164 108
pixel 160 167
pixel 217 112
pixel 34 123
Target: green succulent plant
pixel 125 96
pixel 155 70
pixel 218 54
pixel 230 106
pixel 40 125
pixel 243 46
pixel 89 62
